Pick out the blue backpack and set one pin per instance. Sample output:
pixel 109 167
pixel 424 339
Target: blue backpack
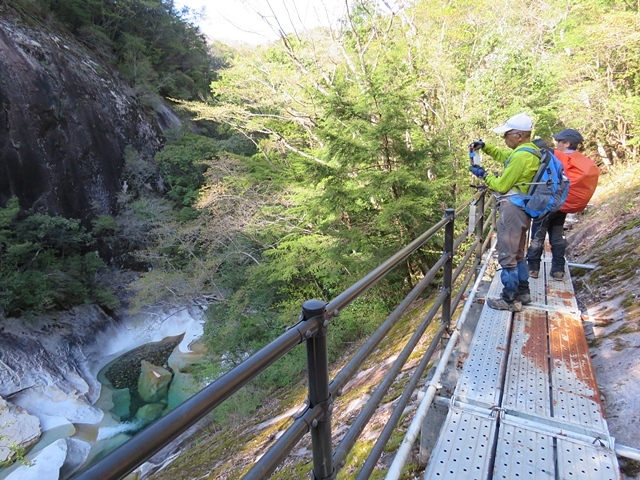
pixel 549 188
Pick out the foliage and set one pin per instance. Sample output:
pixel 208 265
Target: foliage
pixel 182 165
pixel 600 73
pixel 361 132
pixel 332 148
pixel 156 47
pixel 47 264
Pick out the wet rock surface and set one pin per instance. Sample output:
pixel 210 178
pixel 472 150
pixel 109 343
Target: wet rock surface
pixel 49 367
pixel 65 120
pixel 51 350
pixel 20 431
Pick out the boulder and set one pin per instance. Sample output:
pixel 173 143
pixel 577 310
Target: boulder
pixel 149 412
pixel 183 387
pixel 59 460
pixel 121 403
pixel 153 384
pixel 184 383
pixel 66 121
pixel 20 431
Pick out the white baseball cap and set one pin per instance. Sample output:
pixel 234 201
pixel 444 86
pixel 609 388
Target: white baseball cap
pixel 520 122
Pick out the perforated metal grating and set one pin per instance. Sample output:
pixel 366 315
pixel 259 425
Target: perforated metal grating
pixel 576 397
pixel 527 379
pixel 464 447
pixel 495 289
pixel 583 461
pixel 560 292
pixel 538 287
pixel 524 454
pixel 481 379
pixel 550 416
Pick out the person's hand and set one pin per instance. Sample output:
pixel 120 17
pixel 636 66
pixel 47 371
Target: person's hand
pixel 478 171
pixel 476 145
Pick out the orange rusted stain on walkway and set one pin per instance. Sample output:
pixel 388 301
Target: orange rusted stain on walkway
pixel 551 422
pixel 535 344
pixel 569 351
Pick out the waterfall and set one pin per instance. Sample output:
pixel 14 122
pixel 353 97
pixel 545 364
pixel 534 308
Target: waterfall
pixel 126 427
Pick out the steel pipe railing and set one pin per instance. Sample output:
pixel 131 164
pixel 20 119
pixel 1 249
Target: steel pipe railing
pixel 374 401
pixel 353 292
pixel 361 356
pixel 153 438
pixel 387 431
pixel 395 470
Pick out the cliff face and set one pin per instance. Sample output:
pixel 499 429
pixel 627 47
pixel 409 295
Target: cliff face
pixel 65 121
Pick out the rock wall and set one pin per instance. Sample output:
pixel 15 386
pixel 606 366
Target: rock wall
pixel 20 430
pixel 52 353
pixel 65 121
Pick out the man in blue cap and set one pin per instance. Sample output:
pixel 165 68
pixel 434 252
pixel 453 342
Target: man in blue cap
pixel 513 224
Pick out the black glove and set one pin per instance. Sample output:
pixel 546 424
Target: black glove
pixel 478 171
pixel 476 145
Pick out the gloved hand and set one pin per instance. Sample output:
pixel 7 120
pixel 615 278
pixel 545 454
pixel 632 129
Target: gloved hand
pixel 478 171
pixel 476 145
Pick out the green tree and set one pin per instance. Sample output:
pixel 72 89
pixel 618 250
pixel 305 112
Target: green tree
pixel 157 47
pixel 360 133
pixel 182 165
pixel 46 264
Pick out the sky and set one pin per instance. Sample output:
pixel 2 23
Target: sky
pixel 240 20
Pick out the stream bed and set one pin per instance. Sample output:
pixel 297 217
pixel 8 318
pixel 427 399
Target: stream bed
pixel 107 365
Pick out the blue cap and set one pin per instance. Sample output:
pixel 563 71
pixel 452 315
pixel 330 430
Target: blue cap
pixel 569 135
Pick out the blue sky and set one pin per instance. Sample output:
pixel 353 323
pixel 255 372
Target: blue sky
pixel 240 20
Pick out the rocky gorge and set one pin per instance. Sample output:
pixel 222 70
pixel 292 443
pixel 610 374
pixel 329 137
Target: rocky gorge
pixel 66 119
pixel 54 399
pixel 76 383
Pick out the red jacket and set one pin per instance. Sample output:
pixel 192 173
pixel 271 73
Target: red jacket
pixel 583 174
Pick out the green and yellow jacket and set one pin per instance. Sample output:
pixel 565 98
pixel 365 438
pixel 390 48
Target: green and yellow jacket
pixel 520 168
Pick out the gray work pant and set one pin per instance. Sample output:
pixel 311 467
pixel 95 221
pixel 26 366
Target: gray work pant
pixel 513 225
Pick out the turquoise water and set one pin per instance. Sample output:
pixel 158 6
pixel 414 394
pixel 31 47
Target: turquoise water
pixel 121 404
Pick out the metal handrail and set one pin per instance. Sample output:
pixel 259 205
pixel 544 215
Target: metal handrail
pixel 374 401
pixel 314 321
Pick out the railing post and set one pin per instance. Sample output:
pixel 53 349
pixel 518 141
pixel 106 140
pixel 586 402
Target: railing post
pixel 319 396
pixel 448 266
pixel 494 216
pixel 480 227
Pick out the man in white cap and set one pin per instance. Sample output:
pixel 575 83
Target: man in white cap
pixel 513 224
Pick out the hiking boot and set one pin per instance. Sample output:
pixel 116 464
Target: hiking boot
pixel 524 298
pixel 534 273
pixel 557 275
pixel 502 304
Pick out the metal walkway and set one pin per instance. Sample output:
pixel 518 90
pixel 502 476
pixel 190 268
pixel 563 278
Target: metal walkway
pixel 527 403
